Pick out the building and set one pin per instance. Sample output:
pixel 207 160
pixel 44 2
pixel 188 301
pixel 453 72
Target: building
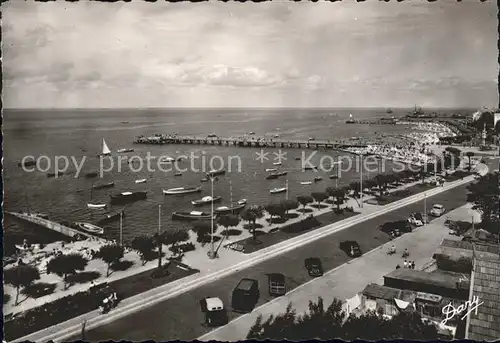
pixel 484 324
pixel 443 283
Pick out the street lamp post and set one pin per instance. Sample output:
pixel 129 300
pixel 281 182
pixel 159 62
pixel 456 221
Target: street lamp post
pixel 425 204
pixel 211 253
pixel 121 228
pixel 361 182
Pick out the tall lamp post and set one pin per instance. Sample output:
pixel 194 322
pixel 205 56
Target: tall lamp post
pixel 211 253
pixel 361 182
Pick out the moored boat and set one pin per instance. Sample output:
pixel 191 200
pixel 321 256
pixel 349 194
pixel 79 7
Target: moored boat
pixel 271 169
pixel 306 182
pixel 310 167
pixel 206 200
pixel 182 190
pixel 318 178
pixel 213 173
pixel 90 228
pixel 178 174
pixel 278 190
pixel 277 163
pixel 193 215
pixel 272 176
pixel 333 176
pixel 125 150
pixel 110 217
pixel 28 163
pixel 55 174
pixel 90 205
pixel 283 173
pixel 104 185
pixel 91 175
pixel 141 181
pixel 125 197
pixel 204 179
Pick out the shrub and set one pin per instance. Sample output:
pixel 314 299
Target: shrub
pixel 83 277
pixel 121 265
pixel 39 289
pixel 184 247
pixel 6 298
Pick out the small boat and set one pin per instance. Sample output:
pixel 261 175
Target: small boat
pixel 310 168
pixel 21 247
pixel 178 174
pixel 334 177
pixel 125 197
pixel 204 180
pixel 272 176
pixel 104 185
pixel 306 182
pixel 91 175
pixel 90 228
pixel 350 120
pixel 278 190
pixel 271 169
pixel 105 151
pixel 276 136
pixel 193 215
pixel 213 173
pixel 212 135
pixel 169 159
pixel 283 173
pixel 242 202
pixel 55 174
pixel 125 150
pixel 110 217
pixel 182 190
pixel 28 163
pixel 125 122
pixel 251 133
pixel 90 205
pixel 141 181
pixel 206 200
pixel 277 163
pixel 298 158
pixel 318 178
pixel 311 139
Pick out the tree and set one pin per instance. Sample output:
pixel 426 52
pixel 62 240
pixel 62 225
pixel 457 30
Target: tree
pixel 203 231
pixel 110 254
pixel 331 323
pixel 227 221
pixel 469 155
pixel 289 204
pixel 251 214
pixel 485 195
pixel 64 265
pixel 144 246
pixel 275 210
pixel 356 188
pixel 339 195
pixel 173 237
pixel 381 180
pixel 21 276
pixel 319 197
pixel 158 239
pixel 304 200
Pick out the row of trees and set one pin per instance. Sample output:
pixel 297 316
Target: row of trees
pixel 485 197
pixel 332 323
pixel 23 276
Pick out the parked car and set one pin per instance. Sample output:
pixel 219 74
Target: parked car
pixel 276 283
pixel 351 248
pixel 215 313
pixel 437 210
pixel 314 266
pixel 395 228
pixel 245 295
pixel 414 220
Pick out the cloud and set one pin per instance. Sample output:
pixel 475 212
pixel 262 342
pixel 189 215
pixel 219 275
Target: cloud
pixel 271 54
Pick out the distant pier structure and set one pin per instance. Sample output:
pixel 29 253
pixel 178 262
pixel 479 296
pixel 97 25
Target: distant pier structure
pixel 161 139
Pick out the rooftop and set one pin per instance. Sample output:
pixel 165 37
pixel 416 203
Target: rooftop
pixel 456 249
pixel 437 278
pixel 388 293
pixel 485 325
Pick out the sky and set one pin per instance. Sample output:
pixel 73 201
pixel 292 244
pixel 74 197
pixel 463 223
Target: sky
pixel 280 54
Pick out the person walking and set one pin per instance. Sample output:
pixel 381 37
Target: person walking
pixel 412 264
pixel 398 266
pixel 406 264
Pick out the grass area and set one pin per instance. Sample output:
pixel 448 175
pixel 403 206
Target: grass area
pixel 80 303
pixel 292 230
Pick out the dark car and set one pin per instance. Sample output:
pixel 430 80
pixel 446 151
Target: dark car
pixel 215 313
pixel 276 282
pixel 314 266
pixel 391 228
pixel 245 295
pixel 351 248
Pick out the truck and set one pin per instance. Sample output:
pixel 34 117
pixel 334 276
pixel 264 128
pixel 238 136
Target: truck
pixel 245 295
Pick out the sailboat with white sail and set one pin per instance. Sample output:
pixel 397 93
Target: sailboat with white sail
pixel 105 151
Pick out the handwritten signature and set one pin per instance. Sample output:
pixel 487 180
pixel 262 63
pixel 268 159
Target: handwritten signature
pixel 450 311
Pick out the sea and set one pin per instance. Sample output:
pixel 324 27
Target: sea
pixel 77 134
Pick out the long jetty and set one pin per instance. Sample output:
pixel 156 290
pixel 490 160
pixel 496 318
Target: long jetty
pixel 161 139
pixel 34 219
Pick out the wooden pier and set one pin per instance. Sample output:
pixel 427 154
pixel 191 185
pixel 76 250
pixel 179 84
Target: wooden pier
pixel 33 219
pixel 258 142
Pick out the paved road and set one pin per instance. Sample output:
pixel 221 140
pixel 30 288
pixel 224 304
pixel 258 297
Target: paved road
pixel 180 317
pixel 347 280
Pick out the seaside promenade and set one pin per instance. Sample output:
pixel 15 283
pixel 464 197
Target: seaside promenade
pixel 220 272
